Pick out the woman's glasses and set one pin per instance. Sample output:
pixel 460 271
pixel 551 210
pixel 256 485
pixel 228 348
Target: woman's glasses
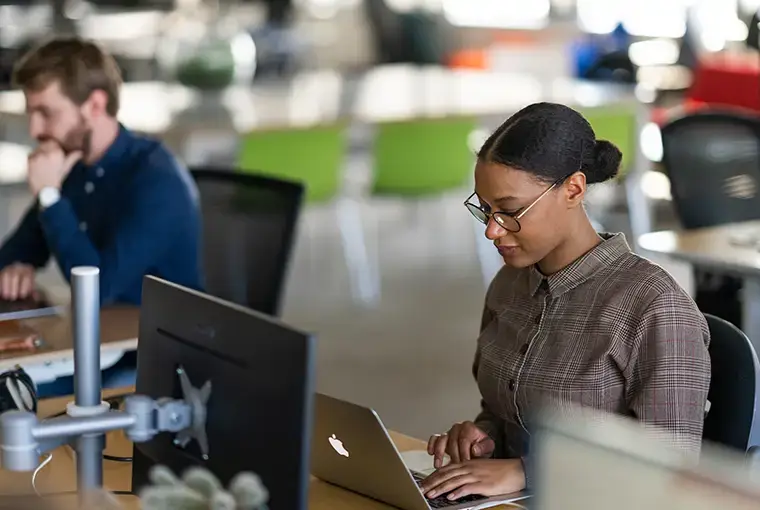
pixel 508 221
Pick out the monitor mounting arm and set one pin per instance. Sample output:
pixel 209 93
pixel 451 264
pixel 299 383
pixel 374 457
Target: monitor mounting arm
pixel 23 437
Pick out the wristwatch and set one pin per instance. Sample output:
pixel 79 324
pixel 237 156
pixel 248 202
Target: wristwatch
pixel 48 196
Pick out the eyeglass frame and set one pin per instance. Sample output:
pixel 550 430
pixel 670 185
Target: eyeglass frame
pixel 517 216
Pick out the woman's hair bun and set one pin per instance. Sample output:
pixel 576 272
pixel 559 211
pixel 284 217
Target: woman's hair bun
pixel 607 158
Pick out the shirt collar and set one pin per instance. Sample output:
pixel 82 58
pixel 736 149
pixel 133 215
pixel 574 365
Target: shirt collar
pixel 115 156
pixel 612 247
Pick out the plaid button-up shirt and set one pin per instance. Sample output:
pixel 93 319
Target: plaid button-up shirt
pixel 612 331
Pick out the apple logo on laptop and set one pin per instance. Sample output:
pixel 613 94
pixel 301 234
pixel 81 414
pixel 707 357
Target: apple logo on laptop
pixel 337 445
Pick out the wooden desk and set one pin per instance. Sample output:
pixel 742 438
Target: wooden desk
pixel 60 474
pixel 729 249
pixel 118 330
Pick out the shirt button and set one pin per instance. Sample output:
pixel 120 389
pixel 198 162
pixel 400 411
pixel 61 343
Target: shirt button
pixel 512 385
pixel 83 226
pixel 89 187
pixel 524 349
pixel 99 172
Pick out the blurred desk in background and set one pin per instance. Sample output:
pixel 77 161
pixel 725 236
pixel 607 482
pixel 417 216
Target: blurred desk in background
pixel 178 114
pixel 405 92
pixel 732 248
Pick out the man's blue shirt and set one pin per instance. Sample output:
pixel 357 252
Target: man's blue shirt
pixel 135 212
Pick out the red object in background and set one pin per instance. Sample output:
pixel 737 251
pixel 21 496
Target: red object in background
pixel 727 80
pixel 662 116
pixel 468 59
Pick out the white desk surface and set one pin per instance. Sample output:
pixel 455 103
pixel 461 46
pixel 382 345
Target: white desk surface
pixel 728 247
pixel 405 92
pixel 384 93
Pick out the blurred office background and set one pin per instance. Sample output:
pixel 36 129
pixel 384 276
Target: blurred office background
pixel 379 105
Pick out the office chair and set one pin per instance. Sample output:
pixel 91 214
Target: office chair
pixel 713 162
pixel 734 388
pixel 249 224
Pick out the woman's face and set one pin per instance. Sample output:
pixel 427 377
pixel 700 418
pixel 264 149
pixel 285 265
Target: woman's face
pixel 542 228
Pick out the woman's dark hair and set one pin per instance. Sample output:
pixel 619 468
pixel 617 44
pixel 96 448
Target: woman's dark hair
pixel 552 141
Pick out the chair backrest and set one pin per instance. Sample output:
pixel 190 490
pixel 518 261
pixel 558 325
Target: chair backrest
pixel 713 162
pixel 734 389
pixel 311 155
pixel 249 225
pixel 423 156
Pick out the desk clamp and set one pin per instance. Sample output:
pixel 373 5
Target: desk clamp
pixel 23 437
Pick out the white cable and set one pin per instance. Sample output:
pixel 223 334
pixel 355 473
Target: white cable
pixel 36 472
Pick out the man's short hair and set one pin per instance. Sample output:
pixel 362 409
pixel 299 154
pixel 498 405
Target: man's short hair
pixel 79 66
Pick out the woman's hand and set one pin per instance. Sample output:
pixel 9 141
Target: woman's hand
pixel 464 441
pixel 484 477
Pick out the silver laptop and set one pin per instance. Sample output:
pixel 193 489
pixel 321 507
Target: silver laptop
pixel 351 448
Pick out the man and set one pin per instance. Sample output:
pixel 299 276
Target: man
pixel 104 196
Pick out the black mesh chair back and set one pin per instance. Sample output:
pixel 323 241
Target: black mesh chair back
pixel 249 224
pixel 713 162
pixel 732 418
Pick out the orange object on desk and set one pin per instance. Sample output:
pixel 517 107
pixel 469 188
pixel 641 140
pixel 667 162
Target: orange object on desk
pixel 728 79
pixel 17 337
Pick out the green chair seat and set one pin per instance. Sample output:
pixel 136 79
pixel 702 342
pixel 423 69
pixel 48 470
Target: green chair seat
pixel 310 155
pixel 423 156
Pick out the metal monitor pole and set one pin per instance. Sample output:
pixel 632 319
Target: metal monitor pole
pixel 23 438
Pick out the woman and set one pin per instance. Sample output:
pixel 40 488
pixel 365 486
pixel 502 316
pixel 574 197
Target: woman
pixel 574 317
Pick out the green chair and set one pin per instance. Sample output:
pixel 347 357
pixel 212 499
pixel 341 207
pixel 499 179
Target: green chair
pixel 311 155
pixel 314 156
pixel 423 157
pixel 618 125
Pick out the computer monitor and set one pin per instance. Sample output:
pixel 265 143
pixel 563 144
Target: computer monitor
pixel 259 414
pixel 599 463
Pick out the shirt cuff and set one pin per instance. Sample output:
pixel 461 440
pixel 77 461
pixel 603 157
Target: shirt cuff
pixel 59 223
pixel 494 432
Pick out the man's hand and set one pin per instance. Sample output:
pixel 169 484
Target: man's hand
pixel 484 477
pixel 463 441
pixel 48 166
pixel 17 281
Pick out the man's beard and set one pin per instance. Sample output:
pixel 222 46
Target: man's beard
pixel 79 138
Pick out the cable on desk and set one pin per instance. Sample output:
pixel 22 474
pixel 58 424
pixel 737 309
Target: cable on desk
pixel 44 463
pixel 106 456
pixel 37 471
pixel 116 458
pixel 39 494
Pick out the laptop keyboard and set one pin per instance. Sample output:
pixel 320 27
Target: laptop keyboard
pixel 441 501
